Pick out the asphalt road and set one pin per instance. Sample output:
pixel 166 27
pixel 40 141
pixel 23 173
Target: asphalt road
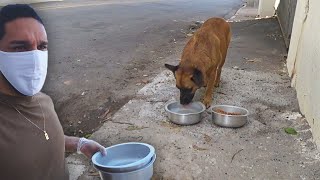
pixel 102 52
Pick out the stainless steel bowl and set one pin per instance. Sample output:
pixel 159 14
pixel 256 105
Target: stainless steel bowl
pixel 185 114
pixel 220 117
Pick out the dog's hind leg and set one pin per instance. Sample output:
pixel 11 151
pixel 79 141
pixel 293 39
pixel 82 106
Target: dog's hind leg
pixel 218 76
pixel 223 55
pixel 207 100
pixel 218 71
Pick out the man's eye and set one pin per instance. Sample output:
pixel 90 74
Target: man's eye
pixel 19 49
pixel 43 47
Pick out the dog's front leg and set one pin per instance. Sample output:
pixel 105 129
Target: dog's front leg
pixel 207 100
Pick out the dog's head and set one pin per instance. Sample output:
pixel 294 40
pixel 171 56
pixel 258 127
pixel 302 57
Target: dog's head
pixel 188 80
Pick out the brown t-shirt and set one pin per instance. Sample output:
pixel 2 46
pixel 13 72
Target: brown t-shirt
pixel 25 154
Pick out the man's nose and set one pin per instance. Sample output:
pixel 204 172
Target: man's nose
pixel 33 46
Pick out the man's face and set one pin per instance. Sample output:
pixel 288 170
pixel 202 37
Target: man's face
pixel 24 34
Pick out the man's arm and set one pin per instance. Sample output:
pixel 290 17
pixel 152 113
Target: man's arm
pixel 83 145
pixel 71 143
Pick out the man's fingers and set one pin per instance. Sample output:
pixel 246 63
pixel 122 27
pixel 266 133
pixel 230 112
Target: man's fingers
pixel 103 151
pixel 91 147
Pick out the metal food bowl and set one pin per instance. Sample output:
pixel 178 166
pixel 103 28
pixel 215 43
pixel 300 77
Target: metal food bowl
pixel 185 114
pixel 229 116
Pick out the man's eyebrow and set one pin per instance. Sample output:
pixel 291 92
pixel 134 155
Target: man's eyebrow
pixel 19 42
pixel 43 43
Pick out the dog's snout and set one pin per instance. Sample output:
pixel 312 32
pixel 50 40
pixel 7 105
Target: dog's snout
pixel 185 101
pixel 186 98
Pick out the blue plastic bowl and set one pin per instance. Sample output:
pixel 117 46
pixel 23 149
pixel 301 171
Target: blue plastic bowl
pixel 124 157
pixel 144 173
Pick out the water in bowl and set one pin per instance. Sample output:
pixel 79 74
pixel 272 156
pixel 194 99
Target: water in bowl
pixel 184 111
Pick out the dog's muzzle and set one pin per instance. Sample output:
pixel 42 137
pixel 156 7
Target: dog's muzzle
pixel 186 96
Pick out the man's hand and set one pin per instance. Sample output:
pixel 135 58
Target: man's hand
pixel 89 147
pixel 83 146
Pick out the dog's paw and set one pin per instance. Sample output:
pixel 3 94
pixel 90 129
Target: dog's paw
pixel 217 84
pixel 207 102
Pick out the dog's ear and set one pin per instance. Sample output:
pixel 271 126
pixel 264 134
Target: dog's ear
pixel 197 78
pixel 171 67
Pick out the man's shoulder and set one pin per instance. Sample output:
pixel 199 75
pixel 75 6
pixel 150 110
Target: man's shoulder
pixel 44 96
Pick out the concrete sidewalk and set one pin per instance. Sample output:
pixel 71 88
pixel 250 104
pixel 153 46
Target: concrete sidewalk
pixel 254 77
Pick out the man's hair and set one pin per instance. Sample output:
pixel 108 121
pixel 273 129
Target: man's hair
pixel 14 11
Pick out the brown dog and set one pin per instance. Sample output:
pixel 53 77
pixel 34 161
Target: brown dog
pixel 202 60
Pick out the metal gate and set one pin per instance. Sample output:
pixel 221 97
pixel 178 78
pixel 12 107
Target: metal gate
pixel 285 13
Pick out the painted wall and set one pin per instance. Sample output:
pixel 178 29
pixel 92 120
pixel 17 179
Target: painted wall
pixel 253 3
pixel 303 61
pixel 266 8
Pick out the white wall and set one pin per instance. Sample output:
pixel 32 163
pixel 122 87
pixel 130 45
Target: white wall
pixel 303 61
pixel 253 3
pixel 266 8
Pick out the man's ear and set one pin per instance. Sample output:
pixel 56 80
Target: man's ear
pixel 197 78
pixel 171 67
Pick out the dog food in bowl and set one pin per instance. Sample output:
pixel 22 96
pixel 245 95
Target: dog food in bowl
pixel 227 113
pixel 229 116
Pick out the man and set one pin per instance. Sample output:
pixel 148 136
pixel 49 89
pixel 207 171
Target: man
pixel 32 142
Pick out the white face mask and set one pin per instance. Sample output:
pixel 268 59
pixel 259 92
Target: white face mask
pixel 26 71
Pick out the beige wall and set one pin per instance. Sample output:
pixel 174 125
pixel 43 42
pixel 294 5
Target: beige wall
pixel 253 3
pixel 266 8
pixel 304 61
pixel 5 2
